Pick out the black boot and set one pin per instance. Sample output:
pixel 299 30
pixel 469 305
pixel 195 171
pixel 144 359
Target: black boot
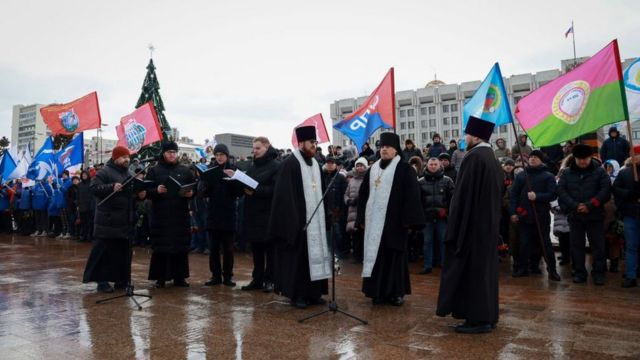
pixel 253 285
pixel 213 282
pixel 228 282
pixel 613 266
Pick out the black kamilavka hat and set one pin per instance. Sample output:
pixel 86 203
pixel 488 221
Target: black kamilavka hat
pixel 390 139
pixel 479 128
pixel 304 133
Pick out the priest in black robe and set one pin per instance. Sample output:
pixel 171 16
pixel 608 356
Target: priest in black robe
pixel 469 281
pixel 388 207
pixel 303 260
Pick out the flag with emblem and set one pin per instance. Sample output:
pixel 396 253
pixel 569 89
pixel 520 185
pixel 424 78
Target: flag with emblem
pixel 578 102
pixel 74 117
pixel 140 128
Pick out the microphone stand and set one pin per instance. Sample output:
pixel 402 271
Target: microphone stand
pixel 332 305
pixel 129 289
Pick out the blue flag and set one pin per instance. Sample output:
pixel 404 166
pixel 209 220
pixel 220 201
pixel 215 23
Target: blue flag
pixel 7 166
pixel 73 153
pixel 201 152
pixel 44 163
pixel 490 101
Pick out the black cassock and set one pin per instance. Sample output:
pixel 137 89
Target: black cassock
pixel 469 281
pixel 288 217
pixel 390 275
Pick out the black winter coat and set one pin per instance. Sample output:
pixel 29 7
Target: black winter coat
pixel 85 196
pixel 615 149
pixel 436 149
pixel 543 183
pixel 408 154
pixel 436 191
pixel 451 172
pixel 113 219
pixel 169 220
pixel 335 195
pixel 590 186
pixel 222 196
pixel 257 206
pixel 626 193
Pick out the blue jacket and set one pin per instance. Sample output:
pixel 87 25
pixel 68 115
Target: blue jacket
pixel 41 194
pixel 25 199
pixel 4 199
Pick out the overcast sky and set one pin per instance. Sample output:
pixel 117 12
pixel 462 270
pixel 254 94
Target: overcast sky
pixel 261 67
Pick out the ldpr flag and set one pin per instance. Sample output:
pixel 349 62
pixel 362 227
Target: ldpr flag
pixel 140 128
pixel 74 117
pixel 576 103
pixel 321 130
pixel 377 111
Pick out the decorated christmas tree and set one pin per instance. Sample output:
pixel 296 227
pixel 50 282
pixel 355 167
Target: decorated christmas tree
pixel 151 92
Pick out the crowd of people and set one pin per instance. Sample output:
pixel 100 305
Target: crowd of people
pixel 385 206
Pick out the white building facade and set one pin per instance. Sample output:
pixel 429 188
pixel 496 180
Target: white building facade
pixel 27 127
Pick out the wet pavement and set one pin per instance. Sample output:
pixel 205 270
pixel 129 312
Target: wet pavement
pixel 47 313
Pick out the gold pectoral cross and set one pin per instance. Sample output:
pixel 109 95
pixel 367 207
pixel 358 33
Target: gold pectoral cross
pixel 377 181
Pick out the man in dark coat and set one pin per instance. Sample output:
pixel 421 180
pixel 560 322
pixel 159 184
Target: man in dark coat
pixel 221 219
pixel 334 204
pixel 388 207
pixel 448 168
pixel 86 207
pixel 110 256
pixel 410 150
pixel 257 208
pixel 437 148
pixel 469 281
pixel 626 191
pixel 539 190
pixel 169 220
pixel 583 189
pixel 615 147
pixel 303 260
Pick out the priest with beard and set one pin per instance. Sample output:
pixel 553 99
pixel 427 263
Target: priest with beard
pixel 388 207
pixel 303 260
pixel 469 279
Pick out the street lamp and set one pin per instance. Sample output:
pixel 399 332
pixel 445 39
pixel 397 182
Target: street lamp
pixel 100 139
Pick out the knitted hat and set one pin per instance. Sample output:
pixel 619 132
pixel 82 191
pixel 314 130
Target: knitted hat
pixel 444 156
pixel 582 151
pixel 119 151
pixel 362 161
pixel 169 146
pixel 539 154
pixel 221 148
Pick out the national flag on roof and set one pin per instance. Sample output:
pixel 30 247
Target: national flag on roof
pixel 72 154
pixel 321 130
pixel 578 102
pixel 140 128
pixel 570 31
pixel 632 88
pixel 7 167
pixel 377 111
pixel 45 163
pixel 74 117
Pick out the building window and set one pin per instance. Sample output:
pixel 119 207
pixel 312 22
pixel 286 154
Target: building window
pixel 424 136
pixel 636 135
pixel 424 123
pixel 432 122
pixel 423 111
pixel 445 108
pixel 432 110
pixel 455 133
pixel 412 136
pixel 454 107
pixel 403 137
pixel 503 128
pixel 431 133
pixel 412 124
pixel 411 112
pixel 403 125
pixel 445 120
pixel 446 134
pixel 403 113
pixel 454 120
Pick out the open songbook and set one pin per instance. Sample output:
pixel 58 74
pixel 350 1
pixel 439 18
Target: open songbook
pixel 175 188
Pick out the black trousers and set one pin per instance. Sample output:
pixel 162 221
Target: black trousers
pixel 263 255
pixel 221 240
pixel 564 239
pixel 86 226
pixel 42 220
pixel 529 255
pixel 594 230
pixel 357 237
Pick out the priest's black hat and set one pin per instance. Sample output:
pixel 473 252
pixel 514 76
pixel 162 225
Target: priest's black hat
pixel 169 146
pixel 391 139
pixel 479 128
pixel 304 133
pixel 581 151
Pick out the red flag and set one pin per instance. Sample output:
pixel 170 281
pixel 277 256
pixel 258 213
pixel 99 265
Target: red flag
pixel 140 128
pixel 321 130
pixel 74 117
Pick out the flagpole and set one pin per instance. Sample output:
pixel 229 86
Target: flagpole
pixel 573 36
pixel 393 98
